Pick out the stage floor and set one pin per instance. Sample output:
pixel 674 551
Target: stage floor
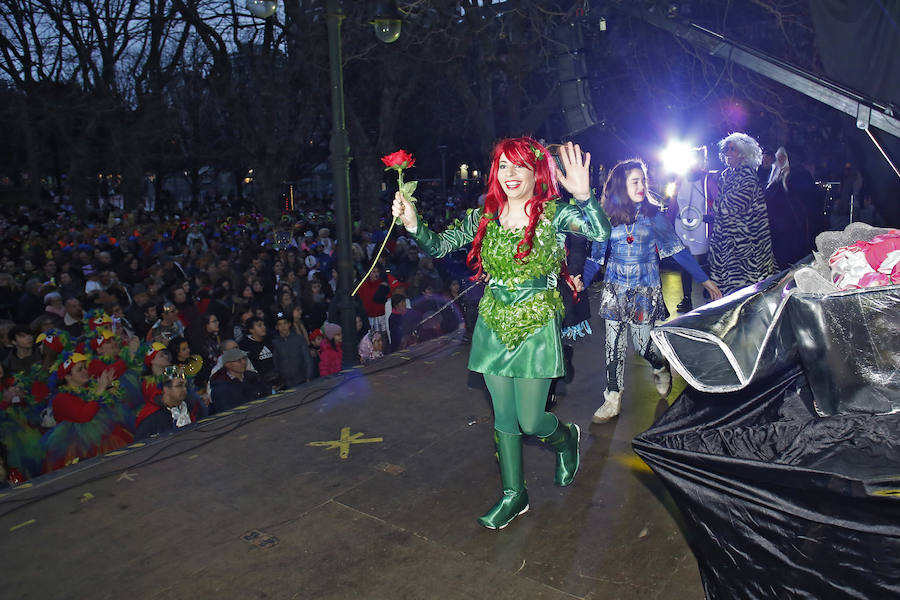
pixel 365 485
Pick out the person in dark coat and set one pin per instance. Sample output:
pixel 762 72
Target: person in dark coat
pixel 788 222
pixel 30 304
pixel 168 409
pixel 258 346
pixel 292 358
pixel 234 384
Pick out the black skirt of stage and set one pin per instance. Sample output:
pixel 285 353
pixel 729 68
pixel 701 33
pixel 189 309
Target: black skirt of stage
pixel 778 501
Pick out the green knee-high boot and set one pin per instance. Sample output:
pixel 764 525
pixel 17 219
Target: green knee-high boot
pixel 515 497
pixel 564 442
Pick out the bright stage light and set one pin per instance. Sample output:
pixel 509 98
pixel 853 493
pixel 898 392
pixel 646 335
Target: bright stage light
pixel 670 189
pixel 679 158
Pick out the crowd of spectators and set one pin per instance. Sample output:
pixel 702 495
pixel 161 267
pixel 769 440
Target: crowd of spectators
pixel 129 324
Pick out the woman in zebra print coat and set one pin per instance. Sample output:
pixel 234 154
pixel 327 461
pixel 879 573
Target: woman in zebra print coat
pixel 740 245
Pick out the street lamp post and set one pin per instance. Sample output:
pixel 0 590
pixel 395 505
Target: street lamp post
pixel 387 28
pixel 340 163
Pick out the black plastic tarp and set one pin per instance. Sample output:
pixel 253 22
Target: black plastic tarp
pixel 779 502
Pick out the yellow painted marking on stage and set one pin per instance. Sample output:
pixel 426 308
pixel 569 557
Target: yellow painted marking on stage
pixel 126 476
pixel 239 408
pixel 206 420
pixel 222 414
pixel 138 445
pixel 193 456
pixel 23 486
pixel 86 496
pixel 359 366
pixel 244 437
pixel 633 462
pixel 21 525
pixel 260 401
pixel 116 453
pixel 346 440
pixel 887 493
pixel 406 358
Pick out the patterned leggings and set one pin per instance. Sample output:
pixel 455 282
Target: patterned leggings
pixel 615 350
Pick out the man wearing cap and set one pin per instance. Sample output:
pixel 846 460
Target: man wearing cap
pixel 234 384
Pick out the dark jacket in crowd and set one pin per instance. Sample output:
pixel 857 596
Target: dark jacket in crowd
pixel 155 419
pixel 262 358
pixel 28 308
pixel 292 358
pixel 226 392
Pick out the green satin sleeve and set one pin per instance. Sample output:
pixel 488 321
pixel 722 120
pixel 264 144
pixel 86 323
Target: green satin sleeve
pixel 587 219
pixel 456 236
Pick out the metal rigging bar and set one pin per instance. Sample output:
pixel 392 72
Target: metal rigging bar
pixel 867 112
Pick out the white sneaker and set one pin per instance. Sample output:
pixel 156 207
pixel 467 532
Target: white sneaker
pixel 610 409
pixel 662 377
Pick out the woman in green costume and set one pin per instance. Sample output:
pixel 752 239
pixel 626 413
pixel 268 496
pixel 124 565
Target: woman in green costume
pixel 517 249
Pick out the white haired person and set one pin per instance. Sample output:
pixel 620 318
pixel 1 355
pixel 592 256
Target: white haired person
pixel 740 245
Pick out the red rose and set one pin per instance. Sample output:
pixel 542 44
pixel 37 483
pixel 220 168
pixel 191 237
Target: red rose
pixel 401 159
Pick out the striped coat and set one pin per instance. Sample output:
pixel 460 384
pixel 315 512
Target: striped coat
pixel 740 246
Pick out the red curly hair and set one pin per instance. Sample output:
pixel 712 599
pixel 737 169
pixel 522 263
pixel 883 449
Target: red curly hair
pixel 523 151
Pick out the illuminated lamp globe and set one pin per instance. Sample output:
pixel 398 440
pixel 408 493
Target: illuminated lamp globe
pixel 387 30
pixel 262 9
pixel 387 21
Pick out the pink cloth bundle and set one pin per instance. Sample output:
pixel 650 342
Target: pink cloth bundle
pixel 867 263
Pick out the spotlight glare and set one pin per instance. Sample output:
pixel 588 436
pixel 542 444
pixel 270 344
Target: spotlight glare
pixel 678 157
pixel 670 189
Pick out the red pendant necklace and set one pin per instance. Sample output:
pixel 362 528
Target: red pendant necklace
pixel 628 237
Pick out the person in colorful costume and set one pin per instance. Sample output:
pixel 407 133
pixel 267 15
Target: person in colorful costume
pixel 20 438
pixel 108 354
pixel 517 247
pixel 156 360
pixel 632 292
pixel 88 416
pixel 24 413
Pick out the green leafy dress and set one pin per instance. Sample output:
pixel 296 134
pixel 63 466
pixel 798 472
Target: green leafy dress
pixel 517 333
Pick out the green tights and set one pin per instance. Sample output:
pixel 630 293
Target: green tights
pixel 519 405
